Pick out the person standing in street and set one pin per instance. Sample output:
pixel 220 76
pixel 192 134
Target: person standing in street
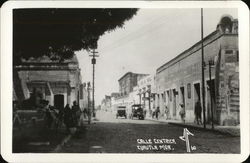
pixel 48 115
pixel 182 112
pixel 153 112
pixel 85 113
pixel 197 111
pixel 67 117
pixel 76 113
pixel 167 112
pixel 157 111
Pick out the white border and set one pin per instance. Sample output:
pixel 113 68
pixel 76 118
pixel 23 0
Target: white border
pixel 6 83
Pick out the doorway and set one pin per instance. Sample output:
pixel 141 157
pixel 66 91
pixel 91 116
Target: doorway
pixel 59 101
pixel 174 102
pixel 182 95
pixel 210 89
pixel 168 101
pixel 197 96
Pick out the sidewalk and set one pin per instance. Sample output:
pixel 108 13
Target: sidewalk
pixel 36 138
pixel 229 130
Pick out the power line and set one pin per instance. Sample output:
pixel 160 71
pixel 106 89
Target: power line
pixel 135 34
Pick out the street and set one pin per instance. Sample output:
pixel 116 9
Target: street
pixel 110 135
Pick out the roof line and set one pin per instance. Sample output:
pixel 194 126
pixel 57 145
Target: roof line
pixel 189 49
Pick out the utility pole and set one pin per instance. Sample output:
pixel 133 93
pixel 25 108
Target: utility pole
pixel 210 63
pixel 93 62
pixel 89 109
pixel 202 69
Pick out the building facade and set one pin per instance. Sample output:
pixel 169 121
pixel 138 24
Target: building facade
pixel 145 90
pixel 126 90
pixel 179 81
pixel 58 82
pixel 128 81
pixel 106 104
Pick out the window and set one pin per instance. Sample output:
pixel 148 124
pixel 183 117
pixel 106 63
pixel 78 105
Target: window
pixel 228 51
pixel 189 90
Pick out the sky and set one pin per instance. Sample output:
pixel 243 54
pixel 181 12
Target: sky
pixel 145 42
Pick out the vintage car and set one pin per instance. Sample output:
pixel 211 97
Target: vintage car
pixel 121 111
pixel 137 111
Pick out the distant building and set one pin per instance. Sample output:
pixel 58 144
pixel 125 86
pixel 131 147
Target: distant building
pixel 115 95
pixel 179 80
pixel 106 103
pixel 128 81
pixel 145 92
pixel 126 84
pixel 58 82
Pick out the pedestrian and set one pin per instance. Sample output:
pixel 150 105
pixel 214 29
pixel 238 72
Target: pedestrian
pixel 197 111
pixel 153 112
pixel 81 119
pixel 48 116
pixel 182 112
pixel 85 112
pixel 157 111
pixel 16 119
pixel 76 113
pixel 167 112
pixel 68 117
pixel 144 112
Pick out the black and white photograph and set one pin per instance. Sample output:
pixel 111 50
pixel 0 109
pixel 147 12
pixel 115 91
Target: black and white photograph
pixel 127 80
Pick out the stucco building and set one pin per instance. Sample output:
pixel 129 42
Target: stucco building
pixel 59 82
pixel 106 103
pixel 128 81
pixel 145 90
pixel 179 81
pixel 126 85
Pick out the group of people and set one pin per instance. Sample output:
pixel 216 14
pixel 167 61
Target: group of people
pixel 156 112
pixel 72 117
pixel 182 113
pixel 197 112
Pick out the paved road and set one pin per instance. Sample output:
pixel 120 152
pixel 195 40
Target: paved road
pixel 111 135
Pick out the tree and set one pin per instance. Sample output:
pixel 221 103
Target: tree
pixel 58 33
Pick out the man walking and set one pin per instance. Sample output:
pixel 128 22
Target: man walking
pixel 157 111
pixel 76 111
pixel 197 111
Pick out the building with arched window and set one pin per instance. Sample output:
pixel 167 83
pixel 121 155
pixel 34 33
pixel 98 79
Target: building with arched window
pixel 179 81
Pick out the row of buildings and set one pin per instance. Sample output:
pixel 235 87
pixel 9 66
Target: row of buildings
pixel 179 81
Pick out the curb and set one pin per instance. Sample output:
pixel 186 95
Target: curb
pixel 64 141
pixel 199 128
pixel 204 129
